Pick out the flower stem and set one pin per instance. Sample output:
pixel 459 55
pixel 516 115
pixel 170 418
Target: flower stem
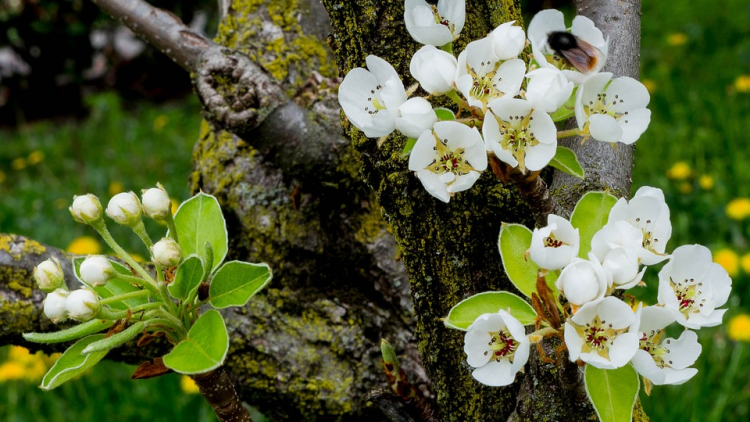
pixel 108 314
pixel 172 322
pixel 138 281
pixel 101 228
pixel 172 228
pixel 448 48
pixel 568 133
pixel 125 296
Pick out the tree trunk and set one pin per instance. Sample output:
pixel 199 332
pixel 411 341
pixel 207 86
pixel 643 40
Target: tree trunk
pixel 342 222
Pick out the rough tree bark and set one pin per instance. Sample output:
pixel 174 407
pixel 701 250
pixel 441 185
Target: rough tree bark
pixel 342 221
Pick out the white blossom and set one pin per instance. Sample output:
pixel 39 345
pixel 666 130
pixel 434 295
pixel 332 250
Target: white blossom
pixel 125 208
pixel 549 21
pixel 481 76
pixel 617 234
pixel 54 305
pixel 86 209
pixel 497 346
pixel 371 97
pixel 96 270
pixel 519 135
pixel 622 265
pixel 647 211
pixel 49 275
pixel 548 89
pixel 448 159
pixel 434 69
pixel 612 112
pixel 583 281
pixel 603 333
pixel 664 360
pixel 435 25
pixel 156 203
pixel 166 253
pixel 554 246
pixel 692 286
pixel 416 116
pixel 509 40
pixel 82 304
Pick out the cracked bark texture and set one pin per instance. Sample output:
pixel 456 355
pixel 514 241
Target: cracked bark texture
pixel 341 221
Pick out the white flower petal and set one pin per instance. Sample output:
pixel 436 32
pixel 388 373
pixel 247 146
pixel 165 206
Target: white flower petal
pixel 573 341
pixel 509 77
pixel 476 347
pixel 604 128
pixel 464 182
pixel 623 349
pixel 627 94
pixel 434 185
pixel 454 11
pixel 585 29
pixel 634 124
pixel 495 373
pixel 423 152
pixel 684 351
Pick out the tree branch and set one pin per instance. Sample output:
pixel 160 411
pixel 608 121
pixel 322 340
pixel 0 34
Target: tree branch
pixel 605 167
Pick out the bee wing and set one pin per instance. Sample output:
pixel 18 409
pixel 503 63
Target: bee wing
pixel 584 58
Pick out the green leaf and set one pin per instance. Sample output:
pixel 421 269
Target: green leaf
pixel 612 392
pixel 567 110
pixel 236 282
pixel 68 334
pixel 72 363
pixel 204 349
pixel 109 343
pixel 566 161
pixel 189 276
pixel 114 286
pixel 514 241
pixel 444 114
pixel 408 147
pixel 466 312
pixel 199 220
pixel 589 216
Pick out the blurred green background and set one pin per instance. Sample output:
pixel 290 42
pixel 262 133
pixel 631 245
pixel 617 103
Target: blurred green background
pixel 696 64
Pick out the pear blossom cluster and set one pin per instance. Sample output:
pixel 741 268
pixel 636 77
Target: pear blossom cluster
pixel 602 330
pixel 96 270
pixel 509 103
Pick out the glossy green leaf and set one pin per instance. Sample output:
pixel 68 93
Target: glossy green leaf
pixel 236 282
pixel 589 216
pixel 444 114
pixel 612 392
pixel 199 220
pixel 204 349
pixel 114 287
pixel 69 334
pixel 72 363
pixel 566 161
pixel 514 241
pixel 466 312
pixel 410 142
pixel 188 277
pixel 115 340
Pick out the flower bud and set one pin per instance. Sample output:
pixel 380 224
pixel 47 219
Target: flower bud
pixel 583 281
pixel 434 69
pixel 124 208
pixel 417 116
pixel 54 305
pixel 82 305
pixel 86 209
pixel 166 253
pixel 49 275
pixel 96 270
pixel 156 203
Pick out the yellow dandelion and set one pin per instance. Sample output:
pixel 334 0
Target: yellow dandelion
pixel 18 164
pixel 738 208
pixel 188 386
pixel 739 327
pixel 35 158
pixel 85 245
pixel 61 203
pixel 12 371
pixel 115 188
pixel 650 85
pixel 728 259
pixel 742 83
pixel 679 171
pixel 677 39
pixel 175 205
pixel 137 257
pixel 745 263
pixel 2 176
pixel 685 188
pixel 706 182
pixel 159 122
pixel 20 354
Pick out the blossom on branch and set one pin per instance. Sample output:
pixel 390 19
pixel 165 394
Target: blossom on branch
pixel 497 346
pixel 448 159
pixel 432 25
pixel 482 77
pixel 554 246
